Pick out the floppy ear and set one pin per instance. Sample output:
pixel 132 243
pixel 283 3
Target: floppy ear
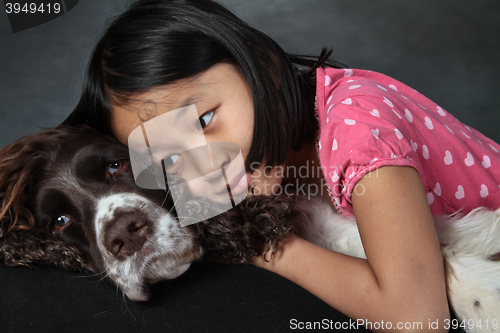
pixel 21 243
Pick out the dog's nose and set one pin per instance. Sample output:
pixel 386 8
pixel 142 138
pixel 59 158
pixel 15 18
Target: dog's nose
pixel 126 234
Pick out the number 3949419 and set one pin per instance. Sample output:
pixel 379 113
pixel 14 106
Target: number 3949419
pixel 32 8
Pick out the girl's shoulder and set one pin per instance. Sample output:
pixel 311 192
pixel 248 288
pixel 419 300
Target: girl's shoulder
pixel 348 82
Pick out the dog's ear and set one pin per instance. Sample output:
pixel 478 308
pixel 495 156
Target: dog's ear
pixel 32 247
pixel 18 163
pixel 21 243
pixel 253 228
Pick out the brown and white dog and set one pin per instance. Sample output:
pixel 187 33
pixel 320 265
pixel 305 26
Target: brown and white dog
pixel 69 199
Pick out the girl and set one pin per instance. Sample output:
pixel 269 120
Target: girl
pixel 388 155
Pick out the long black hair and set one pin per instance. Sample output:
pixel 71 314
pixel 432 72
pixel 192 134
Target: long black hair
pixel 158 42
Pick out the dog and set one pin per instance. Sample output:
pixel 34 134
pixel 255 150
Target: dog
pixel 69 200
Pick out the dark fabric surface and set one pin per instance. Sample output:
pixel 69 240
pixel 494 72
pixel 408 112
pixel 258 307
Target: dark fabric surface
pixel 209 297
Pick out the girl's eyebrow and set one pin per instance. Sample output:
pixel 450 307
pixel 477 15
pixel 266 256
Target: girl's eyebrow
pixel 192 99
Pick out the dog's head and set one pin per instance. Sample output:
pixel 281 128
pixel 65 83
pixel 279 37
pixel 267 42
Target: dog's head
pixel 69 199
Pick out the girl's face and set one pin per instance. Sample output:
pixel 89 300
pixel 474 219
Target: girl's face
pixel 224 108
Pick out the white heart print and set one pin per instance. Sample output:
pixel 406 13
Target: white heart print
pixel 484 191
pixel 425 152
pixel 335 145
pixel 335 177
pixel 350 121
pixel 449 129
pixel 328 80
pixel 448 159
pixel 428 123
pixel 414 145
pixel 375 133
pixel 441 111
pixel 398 134
pixel 388 102
pixel 375 113
pixel 348 72
pixel 486 162
pixel 430 198
pixel 347 101
pixel 393 87
pixel 469 160
pixel 465 134
pixel 437 189
pixel 460 194
pixel 408 116
pixel 356 86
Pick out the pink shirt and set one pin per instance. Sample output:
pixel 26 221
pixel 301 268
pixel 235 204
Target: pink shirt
pixel 368 120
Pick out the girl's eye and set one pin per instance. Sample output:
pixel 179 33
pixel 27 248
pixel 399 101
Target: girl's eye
pixel 116 167
pixel 171 160
pixel 205 120
pixel 60 223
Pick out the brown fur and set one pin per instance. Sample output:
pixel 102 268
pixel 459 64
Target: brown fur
pixel 21 242
pixel 252 228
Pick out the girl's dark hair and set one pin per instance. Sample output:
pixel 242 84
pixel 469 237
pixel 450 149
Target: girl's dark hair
pixel 157 42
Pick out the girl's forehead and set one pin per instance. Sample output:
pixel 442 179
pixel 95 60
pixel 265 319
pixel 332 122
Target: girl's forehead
pixel 187 91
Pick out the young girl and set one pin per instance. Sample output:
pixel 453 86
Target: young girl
pixel 389 156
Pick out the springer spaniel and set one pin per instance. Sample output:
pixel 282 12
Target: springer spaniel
pixel 69 200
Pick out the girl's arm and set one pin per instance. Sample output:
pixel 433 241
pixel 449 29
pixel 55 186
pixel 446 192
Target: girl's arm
pixel 401 281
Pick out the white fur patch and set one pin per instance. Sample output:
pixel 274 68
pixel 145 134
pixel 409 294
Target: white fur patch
pixel 166 254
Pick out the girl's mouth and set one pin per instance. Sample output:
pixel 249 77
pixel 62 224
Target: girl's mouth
pixel 238 185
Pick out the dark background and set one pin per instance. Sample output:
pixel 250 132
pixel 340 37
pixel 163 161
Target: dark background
pixel 447 49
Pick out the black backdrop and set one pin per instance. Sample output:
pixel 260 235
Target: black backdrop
pixel 446 49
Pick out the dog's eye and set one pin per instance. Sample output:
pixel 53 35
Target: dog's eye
pixel 116 167
pixel 60 223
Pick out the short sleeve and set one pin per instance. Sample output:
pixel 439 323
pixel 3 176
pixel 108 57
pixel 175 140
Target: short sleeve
pixel 368 120
pixel 360 134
